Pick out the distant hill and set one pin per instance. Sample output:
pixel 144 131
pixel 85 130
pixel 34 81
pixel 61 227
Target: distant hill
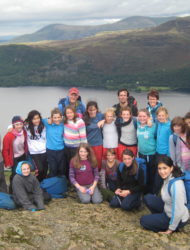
pixel 158 57
pixel 70 32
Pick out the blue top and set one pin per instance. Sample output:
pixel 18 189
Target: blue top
pixel 163 134
pixel 94 133
pixel 146 139
pixel 54 135
pixel 153 110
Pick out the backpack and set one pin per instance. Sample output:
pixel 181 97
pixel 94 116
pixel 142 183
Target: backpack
pixel 141 164
pixel 186 179
pixel 55 186
pixel 175 139
pixel 6 201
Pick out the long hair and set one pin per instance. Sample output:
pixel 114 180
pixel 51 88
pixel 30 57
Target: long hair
pixel 29 119
pixel 73 110
pixel 86 115
pixel 134 168
pixel 168 161
pixel 76 161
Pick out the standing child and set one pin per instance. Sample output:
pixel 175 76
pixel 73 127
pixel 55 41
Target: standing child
pixel 130 183
pixel 84 175
pixel 26 188
pixel 147 145
pixel 180 143
pixel 74 134
pixel 108 174
pixel 127 132
pixel 36 138
pixel 153 103
pixel 94 132
pixel 109 130
pixel 55 143
pixel 14 146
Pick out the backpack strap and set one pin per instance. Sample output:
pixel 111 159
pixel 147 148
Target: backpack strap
pixel 175 139
pixel 121 166
pixel 172 181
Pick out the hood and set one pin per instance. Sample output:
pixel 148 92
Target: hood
pixel 19 167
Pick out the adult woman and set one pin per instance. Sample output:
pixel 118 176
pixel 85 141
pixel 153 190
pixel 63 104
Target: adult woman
pixel 169 212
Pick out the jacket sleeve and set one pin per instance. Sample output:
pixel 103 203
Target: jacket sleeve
pixel 119 179
pixel 178 196
pixel 140 182
pixel 38 194
pixel 172 149
pixel 72 174
pixel 102 179
pixel 20 195
pixel 82 131
pixel 7 152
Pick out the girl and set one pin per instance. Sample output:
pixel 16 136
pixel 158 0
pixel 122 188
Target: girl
pixel 84 175
pixel 108 174
pixel 187 119
pixel 74 134
pixel 36 138
pixel 110 135
pixel 169 213
pixel 14 146
pixel 153 103
pixel 130 183
pixel 147 145
pixel 180 143
pixel 94 133
pixel 26 188
pixel 127 132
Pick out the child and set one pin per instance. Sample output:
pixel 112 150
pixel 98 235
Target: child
pixel 147 145
pixel 130 183
pixel 74 134
pixel 14 146
pixel 26 188
pixel 84 175
pixel 127 132
pixel 169 212
pixel 108 174
pixel 110 135
pixel 94 133
pixel 153 103
pixel 180 143
pixel 36 138
pixel 55 143
pixel 187 119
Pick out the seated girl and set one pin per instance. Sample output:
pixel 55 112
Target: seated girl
pixel 26 188
pixel 108 174
pixel 83 174
pixel 169 212
pixel 130 183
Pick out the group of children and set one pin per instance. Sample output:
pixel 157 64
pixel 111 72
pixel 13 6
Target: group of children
pixel 98 154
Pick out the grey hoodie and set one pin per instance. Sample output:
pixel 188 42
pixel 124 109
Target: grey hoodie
pixel 174 205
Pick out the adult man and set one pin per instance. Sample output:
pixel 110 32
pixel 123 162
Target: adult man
pixel 73 99
pixel 125 101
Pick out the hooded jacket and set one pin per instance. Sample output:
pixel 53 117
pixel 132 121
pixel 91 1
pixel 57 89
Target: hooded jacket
pixel 26 190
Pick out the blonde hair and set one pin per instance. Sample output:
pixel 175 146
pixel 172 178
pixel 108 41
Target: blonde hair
pixel 144 111
pixel 110 110
pixel 163 109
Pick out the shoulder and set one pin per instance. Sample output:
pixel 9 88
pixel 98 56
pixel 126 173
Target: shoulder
pixel 9 136
pixel 62 101
pixel 100 116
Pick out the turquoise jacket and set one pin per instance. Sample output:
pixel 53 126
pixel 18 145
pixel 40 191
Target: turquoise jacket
pixel 163 134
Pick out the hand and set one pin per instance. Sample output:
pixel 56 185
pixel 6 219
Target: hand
pixel 118 191
pixel 49 121
pixel 167 232
pixel 82 189
pixel 124 193
pixel 149 122
pixel 91 190
pixel 100 124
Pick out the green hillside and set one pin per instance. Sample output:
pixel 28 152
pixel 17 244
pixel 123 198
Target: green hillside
pixel 70 32
pixel 159 57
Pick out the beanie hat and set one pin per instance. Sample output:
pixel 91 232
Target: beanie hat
pixel 16 119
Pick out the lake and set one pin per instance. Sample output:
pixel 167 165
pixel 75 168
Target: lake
pixel 21 100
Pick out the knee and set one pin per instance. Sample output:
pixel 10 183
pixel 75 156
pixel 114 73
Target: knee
pixel 114 202
pixel 148 199
pixel 97 200
pixel 85 200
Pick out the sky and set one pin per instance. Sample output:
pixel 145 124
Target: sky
pixel 27 16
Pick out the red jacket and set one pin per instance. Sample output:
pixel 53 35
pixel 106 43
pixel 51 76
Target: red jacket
pixel 7 152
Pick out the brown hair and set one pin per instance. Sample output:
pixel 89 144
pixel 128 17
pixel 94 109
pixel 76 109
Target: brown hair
pixel 134 169
pixel 153 93
pixel 73 110
pixel 122 90
pixel 187 115
pixel 55 111
pixel 111 151
pixel 86 115
pixel 126 109
pixel 144 111
pixel 91 156
pixel 179 121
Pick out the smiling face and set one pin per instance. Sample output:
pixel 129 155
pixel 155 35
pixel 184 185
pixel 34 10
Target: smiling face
pixel 109 117
pixel 177 129
pixel 25 169
pixel 83 154
pixel 126 115
pixel 73 98
pixel 123 97
pixel 92 111
pixel 69 114
pixel 164 170
pixel 36 120
pixel 143 118
pixel 152 101
pixel 56 118
pixel 128 160
pixel 162 117
pixel 18 126
pixel 110 157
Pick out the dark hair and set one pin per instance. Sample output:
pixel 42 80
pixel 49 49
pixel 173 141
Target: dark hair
pixel 123 90
pixel 168 161
pixel 126 109
pixel 134 164
pixel 179 121
pixel 187 115
pixel 86 115
pixel 74 111
pixel 30 125
pixel 153 93
pixel 111 151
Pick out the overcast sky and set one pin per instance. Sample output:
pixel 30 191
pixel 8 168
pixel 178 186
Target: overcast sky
pixel 26 16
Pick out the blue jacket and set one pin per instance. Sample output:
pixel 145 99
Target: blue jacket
pixel 153 110
pixel 163 134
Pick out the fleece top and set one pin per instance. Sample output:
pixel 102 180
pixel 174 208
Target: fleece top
pixel 163 134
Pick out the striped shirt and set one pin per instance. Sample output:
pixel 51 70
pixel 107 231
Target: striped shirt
pixel 74 133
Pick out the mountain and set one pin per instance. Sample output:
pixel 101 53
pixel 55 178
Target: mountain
pixel 157 57
pixel 69 32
